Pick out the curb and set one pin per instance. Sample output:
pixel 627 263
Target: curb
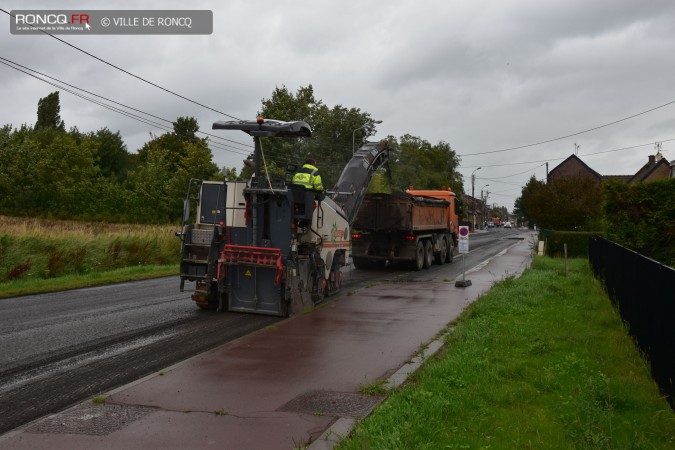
pixel 343 426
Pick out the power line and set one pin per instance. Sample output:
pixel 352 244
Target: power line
pixel 514 175
pixel 626 148
pixel 570 135
pixel 560 159
pixel 113 101
pixel 502 182
pixel 127 72
pixel 122 112
pixel 514 164
pixel 144 120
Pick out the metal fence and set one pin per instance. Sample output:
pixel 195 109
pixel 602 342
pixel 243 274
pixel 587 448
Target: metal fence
pixel 643 290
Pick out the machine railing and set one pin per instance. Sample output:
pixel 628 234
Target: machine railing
pixel 242 255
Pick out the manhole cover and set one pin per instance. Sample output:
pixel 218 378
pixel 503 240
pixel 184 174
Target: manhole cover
pixel 95 420
pixel 342 404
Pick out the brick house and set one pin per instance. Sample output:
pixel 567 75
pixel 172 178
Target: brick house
pixel 573 167
pixel 656 168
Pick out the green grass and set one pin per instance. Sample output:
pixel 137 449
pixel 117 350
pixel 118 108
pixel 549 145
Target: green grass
pixel 379 387
pixel 38 255
pixel 542 361
pixel 99 400
pixel 39 286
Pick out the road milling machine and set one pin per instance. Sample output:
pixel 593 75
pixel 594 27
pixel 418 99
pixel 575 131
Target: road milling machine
pixel 265 245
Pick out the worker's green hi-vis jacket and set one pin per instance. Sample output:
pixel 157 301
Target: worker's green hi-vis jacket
pixel 308 177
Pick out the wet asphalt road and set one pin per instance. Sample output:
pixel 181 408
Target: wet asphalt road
pixel 58 349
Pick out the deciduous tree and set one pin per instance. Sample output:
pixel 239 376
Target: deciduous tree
pixel 416 162
pixel 333 130
pixel 111 153
pixel 165 165
pixel 49 113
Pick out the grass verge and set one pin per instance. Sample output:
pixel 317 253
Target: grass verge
pixel 39 255
pixel 39 286
pixel 543 361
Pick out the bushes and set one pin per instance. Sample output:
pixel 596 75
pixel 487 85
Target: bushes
pixel 642 217
pixel 577 243
pixel 639 216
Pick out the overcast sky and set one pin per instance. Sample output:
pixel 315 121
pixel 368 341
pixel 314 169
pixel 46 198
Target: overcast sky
pixel 481 76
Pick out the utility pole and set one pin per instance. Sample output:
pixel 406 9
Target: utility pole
pixel 487 210
pixel 473 199
pixel 483 203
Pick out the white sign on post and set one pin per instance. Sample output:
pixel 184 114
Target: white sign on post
pixel 463 241
pixel 463 249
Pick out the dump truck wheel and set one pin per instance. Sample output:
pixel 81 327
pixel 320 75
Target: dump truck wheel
pixel 419 256
pixel 451 251
pixel 443 253
pixel 428 254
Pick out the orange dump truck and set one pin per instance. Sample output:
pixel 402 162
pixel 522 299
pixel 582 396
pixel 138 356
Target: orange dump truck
pixel 416 228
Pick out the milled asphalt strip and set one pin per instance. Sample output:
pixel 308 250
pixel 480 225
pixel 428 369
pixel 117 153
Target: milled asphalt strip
pixel 22 428
pixel 343 426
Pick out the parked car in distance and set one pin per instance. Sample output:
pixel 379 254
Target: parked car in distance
pixel 507 224
pixel 490 225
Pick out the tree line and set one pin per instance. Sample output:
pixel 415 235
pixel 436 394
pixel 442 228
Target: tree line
pixel 49 171
pixel 46 171
pixel 640 216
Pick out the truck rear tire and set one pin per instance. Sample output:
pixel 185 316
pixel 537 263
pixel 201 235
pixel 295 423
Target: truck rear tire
pixel 428 254
pixel 419 256
pixel 451 251
pixel 443 253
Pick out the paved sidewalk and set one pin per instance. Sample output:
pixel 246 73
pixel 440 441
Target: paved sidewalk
pixel 282 387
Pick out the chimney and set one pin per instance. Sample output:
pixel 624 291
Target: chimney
pixel 652 159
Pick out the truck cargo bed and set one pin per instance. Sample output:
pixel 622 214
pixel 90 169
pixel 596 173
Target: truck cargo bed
pixel 402 212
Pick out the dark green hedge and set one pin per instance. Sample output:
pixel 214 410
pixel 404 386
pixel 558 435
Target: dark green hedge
pixel 577 243
pixel 641 216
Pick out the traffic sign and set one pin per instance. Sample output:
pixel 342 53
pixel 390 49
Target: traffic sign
pixel 463 246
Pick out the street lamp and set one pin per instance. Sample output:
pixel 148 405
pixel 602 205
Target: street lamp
pixel 473 199
pixel 483 202
pixel 481 191
pixel 488 211
pixel 360 128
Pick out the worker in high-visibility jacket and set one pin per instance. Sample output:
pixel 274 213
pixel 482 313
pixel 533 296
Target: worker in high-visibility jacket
pixel 308 176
